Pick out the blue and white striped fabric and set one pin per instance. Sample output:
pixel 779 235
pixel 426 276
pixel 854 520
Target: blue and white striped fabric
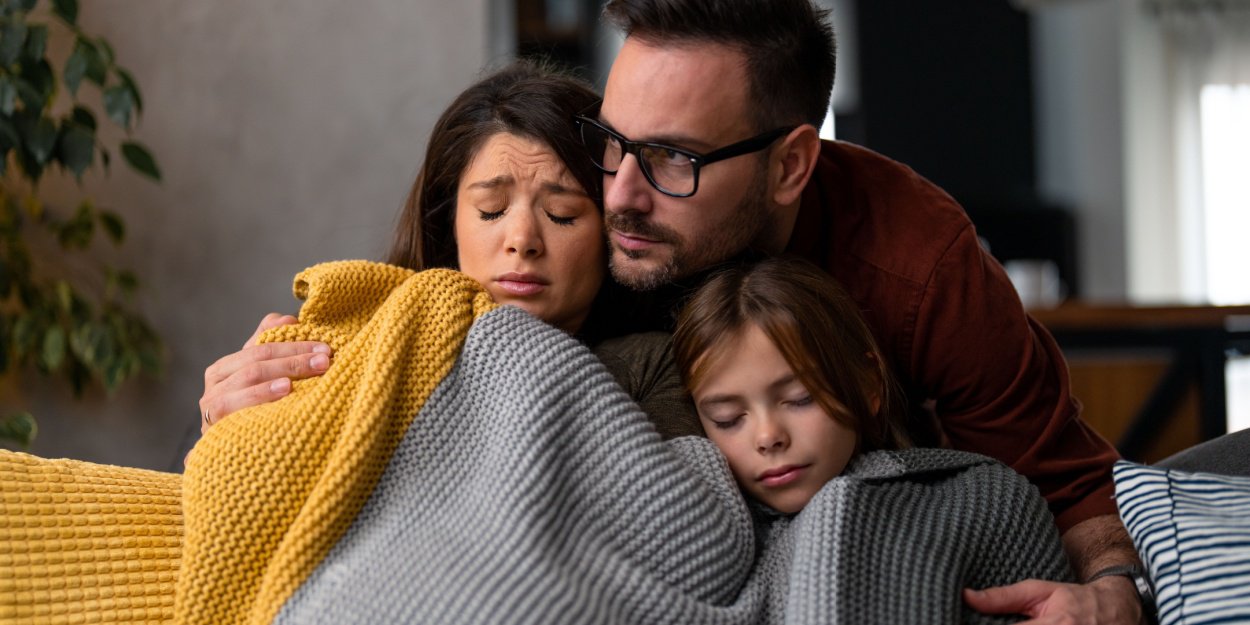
pixel 1193 532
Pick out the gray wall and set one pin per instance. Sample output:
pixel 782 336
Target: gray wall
pixel 1078 87
pixel 289 132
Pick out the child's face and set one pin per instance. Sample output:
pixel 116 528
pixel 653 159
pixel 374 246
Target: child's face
pixel 781 444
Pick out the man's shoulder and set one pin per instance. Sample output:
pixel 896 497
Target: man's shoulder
pixel 872 211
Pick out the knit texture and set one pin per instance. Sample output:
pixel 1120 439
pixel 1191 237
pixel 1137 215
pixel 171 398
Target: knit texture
pixel 462 463
pixel 269 491
pixel 87 543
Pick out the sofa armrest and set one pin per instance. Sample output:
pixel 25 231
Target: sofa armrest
pixel 87 543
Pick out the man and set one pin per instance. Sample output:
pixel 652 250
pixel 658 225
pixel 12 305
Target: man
pixel 708 138
pixel 725 97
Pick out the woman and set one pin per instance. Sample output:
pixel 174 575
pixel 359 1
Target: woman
pixel 507 196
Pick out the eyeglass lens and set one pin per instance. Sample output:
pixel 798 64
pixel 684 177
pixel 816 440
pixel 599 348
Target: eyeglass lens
pixel 671 171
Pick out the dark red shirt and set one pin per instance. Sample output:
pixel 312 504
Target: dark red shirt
pixel 947 317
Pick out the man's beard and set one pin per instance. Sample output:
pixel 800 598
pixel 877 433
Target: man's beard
pixel 747 225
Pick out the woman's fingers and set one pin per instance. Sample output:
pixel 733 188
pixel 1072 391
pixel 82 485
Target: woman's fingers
pixel 257 375
pixel 230 365
pixel 214 410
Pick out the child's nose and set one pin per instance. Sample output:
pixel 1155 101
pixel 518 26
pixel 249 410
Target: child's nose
pixel 770 436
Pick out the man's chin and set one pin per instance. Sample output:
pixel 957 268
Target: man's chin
pixel 640 272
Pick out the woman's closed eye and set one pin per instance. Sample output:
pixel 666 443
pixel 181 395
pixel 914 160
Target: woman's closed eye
pixel 560 221
pixel 725 422
pixel 490 215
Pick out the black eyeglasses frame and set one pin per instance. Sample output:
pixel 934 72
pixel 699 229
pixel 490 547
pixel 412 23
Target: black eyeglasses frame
pixel 697 161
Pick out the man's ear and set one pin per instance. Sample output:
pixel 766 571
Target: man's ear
pixel 795 160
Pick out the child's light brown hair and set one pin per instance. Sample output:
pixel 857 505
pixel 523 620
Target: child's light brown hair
pixel 815 325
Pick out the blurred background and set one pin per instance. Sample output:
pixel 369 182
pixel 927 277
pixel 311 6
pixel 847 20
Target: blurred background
pixel 1101 146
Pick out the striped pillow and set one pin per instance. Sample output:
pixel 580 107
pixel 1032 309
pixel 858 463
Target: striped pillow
pixel 1193 532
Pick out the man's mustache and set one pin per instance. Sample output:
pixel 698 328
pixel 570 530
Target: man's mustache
pixel 635 225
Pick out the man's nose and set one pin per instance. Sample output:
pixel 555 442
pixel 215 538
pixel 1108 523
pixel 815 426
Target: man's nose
pixel 627 190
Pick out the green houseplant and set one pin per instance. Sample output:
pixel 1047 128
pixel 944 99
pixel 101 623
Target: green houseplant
pixel 63 311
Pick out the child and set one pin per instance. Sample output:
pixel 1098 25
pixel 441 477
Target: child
pixel 792 389
pixel 786 378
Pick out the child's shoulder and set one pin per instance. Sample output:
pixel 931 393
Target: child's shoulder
pixel 925 464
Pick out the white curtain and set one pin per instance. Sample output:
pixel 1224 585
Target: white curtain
pixel 1207 47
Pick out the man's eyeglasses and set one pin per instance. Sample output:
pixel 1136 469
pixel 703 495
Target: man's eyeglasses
pixel 673 171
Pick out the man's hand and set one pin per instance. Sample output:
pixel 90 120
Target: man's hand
pixel 1111 599
pixel 258 374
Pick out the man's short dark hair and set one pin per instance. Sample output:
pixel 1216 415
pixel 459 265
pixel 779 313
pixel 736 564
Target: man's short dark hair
pixel 788 45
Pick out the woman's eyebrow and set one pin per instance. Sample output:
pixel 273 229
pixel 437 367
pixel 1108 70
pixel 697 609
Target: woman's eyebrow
pixel 555 188
pixel 492 183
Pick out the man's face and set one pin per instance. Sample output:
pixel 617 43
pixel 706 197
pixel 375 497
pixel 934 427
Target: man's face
pixel 692 97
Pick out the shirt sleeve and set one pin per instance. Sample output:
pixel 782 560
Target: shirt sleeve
pixel 1000 384
pixel 643 365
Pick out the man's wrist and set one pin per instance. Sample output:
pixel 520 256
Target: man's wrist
pixel 1136 575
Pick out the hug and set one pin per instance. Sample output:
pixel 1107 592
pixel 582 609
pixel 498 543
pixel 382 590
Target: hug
pixel 660 355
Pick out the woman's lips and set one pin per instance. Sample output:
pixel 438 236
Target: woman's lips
pixel 521 284
pixel 781 476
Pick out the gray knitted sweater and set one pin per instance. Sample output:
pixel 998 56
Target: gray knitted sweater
pixel 531 489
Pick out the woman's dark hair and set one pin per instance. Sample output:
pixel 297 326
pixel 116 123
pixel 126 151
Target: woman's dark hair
pixel 815 325
pixel 527 99
pixel 788 45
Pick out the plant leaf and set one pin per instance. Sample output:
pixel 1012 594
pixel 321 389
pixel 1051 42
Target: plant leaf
pixel 76 147
pixel 38 137
pixel 25 334
pixel 30 96
pixel 127 281
pixel 83 116
pixel 66 10
pixel 53 348
pixel 106 51
pixel 95 70
pixel 140 159
pixel 65 296
pixel 36 42
pixel 12 39
pixel 133 86
pixel 77 232
pixel 75 70
pixel 8 95
pixel 113 226
pixel 19 428
pixel 41 79
pixel 118 103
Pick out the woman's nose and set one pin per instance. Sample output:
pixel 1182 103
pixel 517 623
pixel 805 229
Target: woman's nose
pixel 627 190
pixel 524 235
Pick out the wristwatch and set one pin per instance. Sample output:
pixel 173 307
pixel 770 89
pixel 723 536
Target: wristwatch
pixel 1145 592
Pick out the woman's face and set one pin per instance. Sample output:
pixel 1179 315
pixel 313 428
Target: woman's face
pixel 527 231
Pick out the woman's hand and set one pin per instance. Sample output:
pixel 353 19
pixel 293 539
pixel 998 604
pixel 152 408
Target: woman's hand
pixel 259 374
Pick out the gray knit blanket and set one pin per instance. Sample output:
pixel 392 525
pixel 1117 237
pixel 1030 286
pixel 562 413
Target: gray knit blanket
pixel 530 489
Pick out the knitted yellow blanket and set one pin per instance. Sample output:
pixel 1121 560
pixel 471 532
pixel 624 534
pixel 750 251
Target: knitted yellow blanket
pixel 84 543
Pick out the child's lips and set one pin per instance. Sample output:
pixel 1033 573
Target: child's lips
pixel 782 476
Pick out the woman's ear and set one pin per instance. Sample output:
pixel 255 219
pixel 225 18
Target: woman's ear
pixel 795 161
